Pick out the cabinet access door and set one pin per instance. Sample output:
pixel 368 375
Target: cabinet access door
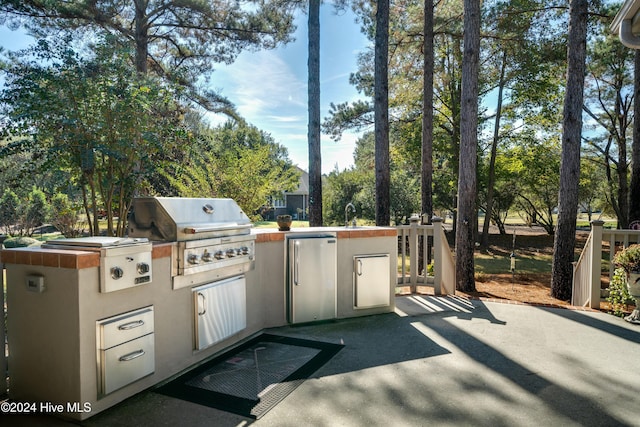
pixel 220 310
pixel 371 283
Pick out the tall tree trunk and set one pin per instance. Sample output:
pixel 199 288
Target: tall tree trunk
pixel 381 114
pixel 427 113
pixel 623 164
pixel 623 185
pixel 455 87
pixel 494 152
pixel 565 235
pixel 609 167
pixel 315 156
pixel 426 195
pixel 141 36
pixel 465 280
pixel 634 190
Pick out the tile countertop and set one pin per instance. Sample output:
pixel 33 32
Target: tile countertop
pixel 271 234
pixel 63 258
pixel 77 259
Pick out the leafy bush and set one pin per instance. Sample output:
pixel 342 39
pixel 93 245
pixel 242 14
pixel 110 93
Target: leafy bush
pixel 9 204
pixel 36 211
pixel 431 268
pixel 65 214
pixel 21 242
pixel 628 259
pixel 619 296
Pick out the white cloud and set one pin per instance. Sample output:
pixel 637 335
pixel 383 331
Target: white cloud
pixel 262 83
pixel 286 119
pixel 269 88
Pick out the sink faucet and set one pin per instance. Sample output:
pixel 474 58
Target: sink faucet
pixel 346 214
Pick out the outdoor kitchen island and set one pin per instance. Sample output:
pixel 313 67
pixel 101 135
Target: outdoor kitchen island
pixel 59 320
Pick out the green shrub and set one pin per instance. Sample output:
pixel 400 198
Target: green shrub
pixel 9 206
pixel 20 242
pixel 431 268
pixel 618 293
pixel 65 215
pixel 37 210
pixel 628 259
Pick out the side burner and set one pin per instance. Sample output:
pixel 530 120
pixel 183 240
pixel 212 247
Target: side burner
pixel 124 262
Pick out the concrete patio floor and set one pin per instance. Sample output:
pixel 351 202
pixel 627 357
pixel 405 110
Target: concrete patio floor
pixel 440 361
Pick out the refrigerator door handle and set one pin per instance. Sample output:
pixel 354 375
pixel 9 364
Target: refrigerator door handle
pixel 359 269
pixel 296 267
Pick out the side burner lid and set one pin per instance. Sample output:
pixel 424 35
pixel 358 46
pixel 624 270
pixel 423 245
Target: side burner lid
pixel 96 242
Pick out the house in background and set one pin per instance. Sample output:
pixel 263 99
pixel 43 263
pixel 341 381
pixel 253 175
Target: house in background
pixel 295 203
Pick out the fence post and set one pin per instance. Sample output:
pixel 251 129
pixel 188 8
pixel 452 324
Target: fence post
pixel 413 252
pixel 596 262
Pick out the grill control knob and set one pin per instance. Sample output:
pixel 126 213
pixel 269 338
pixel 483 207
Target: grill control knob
pixel 207 257
pixel 231 253
pixel 193 259
pixel 143 268
pixel 245 250
pixel 116 273
pixel 219 255
pixel 239 251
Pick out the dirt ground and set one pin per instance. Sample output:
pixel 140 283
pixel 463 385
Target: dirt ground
pixel 526 288
pixel 529 288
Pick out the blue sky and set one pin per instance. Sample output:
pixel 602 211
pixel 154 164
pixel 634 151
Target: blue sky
pixel 269 88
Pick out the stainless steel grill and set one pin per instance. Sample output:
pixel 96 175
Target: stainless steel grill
pixel 124 262
pixel 213 236
pixel 177 219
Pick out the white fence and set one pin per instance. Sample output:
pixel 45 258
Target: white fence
pixel 415 239
pixel 587 272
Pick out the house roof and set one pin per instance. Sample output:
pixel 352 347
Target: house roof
pixel 627 24
pixel 303 183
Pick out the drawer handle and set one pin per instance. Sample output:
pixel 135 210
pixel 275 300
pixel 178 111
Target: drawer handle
pixel 131 356
pixel 131 325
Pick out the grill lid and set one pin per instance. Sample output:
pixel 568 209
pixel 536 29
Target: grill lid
pixel 181 219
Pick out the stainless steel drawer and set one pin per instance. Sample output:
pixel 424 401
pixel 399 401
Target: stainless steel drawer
pixel 124 327
pixel 126 363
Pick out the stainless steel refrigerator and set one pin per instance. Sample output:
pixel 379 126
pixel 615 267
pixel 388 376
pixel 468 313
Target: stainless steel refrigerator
pixel 311 277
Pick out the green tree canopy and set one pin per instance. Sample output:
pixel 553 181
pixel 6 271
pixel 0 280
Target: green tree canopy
pixel 92 115
pixel 238 161
pixel 178 40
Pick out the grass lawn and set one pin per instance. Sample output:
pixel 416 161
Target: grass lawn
pixel 273 224
pixel 527 263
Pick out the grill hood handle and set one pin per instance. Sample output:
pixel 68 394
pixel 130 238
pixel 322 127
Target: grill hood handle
pixel 205 228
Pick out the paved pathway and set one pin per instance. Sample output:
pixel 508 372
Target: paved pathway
pixel 445 362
